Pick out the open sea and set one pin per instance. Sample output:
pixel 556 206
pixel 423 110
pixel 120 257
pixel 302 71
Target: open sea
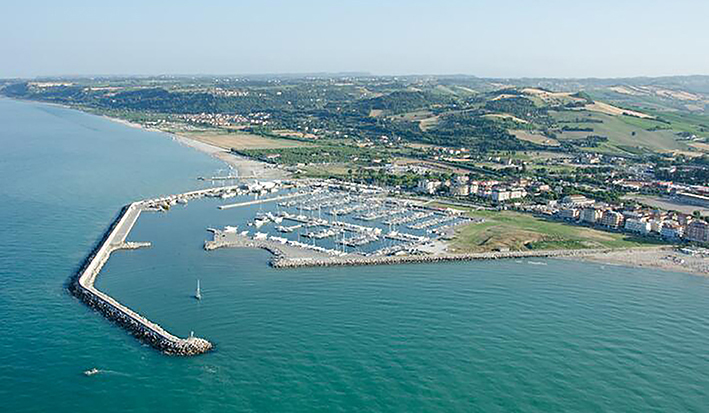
pixel 500 336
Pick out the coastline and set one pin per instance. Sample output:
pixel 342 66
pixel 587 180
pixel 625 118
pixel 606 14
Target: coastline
pixel 245 167
pixel 661 259
pixel 666 259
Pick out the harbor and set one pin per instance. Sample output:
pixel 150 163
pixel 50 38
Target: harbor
pixel 324 220
pixel 339 220
pixel 82 284
pixel 309 223
pixel 325 324
pixel 320 223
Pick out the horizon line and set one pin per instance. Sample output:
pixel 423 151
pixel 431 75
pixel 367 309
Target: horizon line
pixel 341 74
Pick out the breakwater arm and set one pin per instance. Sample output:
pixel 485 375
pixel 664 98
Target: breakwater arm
pixel 83 287
pixel 283 262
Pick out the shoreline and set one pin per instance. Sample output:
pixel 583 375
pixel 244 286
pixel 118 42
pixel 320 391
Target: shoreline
pixel 663 259
pixel 667 259
pixel 245 167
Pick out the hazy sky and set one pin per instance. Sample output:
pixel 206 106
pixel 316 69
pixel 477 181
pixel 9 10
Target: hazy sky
pixel 502 38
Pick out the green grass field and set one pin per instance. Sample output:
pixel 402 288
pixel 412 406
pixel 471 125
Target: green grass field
pixel 521 232
pixel 695 123
pixel 620 129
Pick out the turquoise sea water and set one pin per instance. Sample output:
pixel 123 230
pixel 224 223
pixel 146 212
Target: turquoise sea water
pixel 485 336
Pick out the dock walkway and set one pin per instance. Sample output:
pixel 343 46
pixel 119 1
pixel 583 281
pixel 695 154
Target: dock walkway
pixel 260 201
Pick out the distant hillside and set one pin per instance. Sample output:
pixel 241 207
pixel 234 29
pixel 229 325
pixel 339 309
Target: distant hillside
pixel 627 117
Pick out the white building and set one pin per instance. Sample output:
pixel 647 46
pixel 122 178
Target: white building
pixel 672 230
pixel 569 214
pixel 698 231
pixel 656 225
pixel 517 193
pixel 611 219
pixel 638 225
pixel 590 215
pixel 577 200
pixel 500 195
pixel 428 186
pixel 461 190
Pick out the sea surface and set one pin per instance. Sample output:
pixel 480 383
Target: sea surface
pixel 540 336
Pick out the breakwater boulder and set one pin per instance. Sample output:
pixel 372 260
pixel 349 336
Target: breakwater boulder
pixel 142 329
pixel 282 262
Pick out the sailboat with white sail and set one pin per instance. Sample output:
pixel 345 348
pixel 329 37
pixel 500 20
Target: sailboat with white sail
pixel 198 293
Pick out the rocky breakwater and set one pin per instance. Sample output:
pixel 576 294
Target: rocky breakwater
pixel 82 286
pixel 282 262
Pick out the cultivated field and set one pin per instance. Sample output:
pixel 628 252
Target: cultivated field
pixel 537 138
pixel 614 110
pixel 624 133
pixel 293 134
pixel 544 97
pixel 504 116
pixel 241 140
pixel 704 147
pixel 413 116
pixel 428 123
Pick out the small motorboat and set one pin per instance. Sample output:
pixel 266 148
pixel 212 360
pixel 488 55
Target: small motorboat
pixel 91 372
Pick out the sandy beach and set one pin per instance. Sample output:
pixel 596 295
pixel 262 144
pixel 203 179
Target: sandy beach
pixel 664 258
pixel 245 167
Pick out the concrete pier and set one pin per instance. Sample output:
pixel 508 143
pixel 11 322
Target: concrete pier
pixel 82 286
pixel 260 201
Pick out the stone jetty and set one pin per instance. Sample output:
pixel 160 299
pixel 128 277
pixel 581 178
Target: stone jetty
pixel 281 262
pixel 82 284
